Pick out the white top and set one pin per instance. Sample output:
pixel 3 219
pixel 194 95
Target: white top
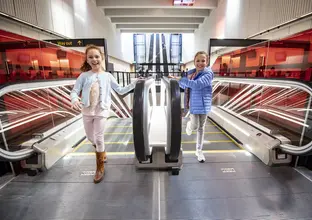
pixel 94 109
pixel 107 83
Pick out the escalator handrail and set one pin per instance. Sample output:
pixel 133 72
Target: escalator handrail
pixel 16 155
pixel 9 87
pixel 29 85
pixel 34 85
pixel 269 82
pixel 28 152
pixel 174 118
pixel 287 148
pixel 140 124
pixel 299 151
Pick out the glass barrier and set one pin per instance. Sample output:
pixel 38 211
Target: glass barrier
pixel 275 106
pixel 32 110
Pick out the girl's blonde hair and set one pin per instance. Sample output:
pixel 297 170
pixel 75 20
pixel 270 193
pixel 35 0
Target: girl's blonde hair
pixel 201 53
pixel 85 66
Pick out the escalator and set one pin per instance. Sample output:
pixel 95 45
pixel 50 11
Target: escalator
pixel 28 112
pixel 39 126
pixel 278 115
pixel 239 180
pixel 271 117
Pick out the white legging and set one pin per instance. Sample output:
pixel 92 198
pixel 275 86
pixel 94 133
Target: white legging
pixel 198 124
pixel 94 128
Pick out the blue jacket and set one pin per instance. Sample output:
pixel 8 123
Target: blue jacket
pixel 200 90
pixel 107 83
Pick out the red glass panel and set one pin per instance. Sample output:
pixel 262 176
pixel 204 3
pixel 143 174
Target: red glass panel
pixel 23 59
pixel 290 57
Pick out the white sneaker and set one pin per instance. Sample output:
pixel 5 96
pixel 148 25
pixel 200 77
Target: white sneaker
pixel 188 129
pixel 200 156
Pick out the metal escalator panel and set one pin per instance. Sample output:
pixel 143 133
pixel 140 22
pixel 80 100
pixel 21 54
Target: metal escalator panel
pixel 172 98
pixel 30 111
pixel 142 112
pixel 279 108
pixel 120 108
pixel 139 138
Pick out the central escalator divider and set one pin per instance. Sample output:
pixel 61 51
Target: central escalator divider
pixel 157 147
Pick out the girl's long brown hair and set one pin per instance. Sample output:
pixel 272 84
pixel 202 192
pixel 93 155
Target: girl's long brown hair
pixel 85 66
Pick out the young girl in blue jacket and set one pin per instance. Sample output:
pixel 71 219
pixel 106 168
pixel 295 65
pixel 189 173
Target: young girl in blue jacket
pixel 95 86
pixel 198 97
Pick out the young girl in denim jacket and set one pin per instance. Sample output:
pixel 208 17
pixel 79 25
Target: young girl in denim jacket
pixel 96 86
pixel 198 96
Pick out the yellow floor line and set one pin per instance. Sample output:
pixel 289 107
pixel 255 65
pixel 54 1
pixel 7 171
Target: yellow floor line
pixel 80 145
pixel 132 153
pixel 118 133
pixel 183 142
pixel 209 132
pixel 237 144
pixel 207 142
pixel 214 151
pixel 107 153
pixel 183 126
pixel 119 126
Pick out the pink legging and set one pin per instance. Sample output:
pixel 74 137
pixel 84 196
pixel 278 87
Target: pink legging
pixel 94 128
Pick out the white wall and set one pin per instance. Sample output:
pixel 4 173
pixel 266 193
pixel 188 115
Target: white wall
pixel 127 47
pixel 244 18
pixel 10 26
pixel 119 65
pixel 188 47
pixel 189 65
pixel 70 18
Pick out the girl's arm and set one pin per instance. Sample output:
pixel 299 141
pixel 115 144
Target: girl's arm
pixel 181 85
pixel 178 78
pixel 200 83
pixel 120 89
pixel 74 95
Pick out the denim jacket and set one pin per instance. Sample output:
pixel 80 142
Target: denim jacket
pixel 107 83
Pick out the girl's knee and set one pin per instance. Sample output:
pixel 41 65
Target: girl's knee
pixel 90 138
pixel 194 127
pixel 99 141
pixel 200 128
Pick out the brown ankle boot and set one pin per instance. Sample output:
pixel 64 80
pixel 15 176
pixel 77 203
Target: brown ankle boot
pixel 105 158
pixel 99 173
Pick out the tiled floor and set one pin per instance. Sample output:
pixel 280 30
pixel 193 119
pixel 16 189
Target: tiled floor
pixel 231 184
